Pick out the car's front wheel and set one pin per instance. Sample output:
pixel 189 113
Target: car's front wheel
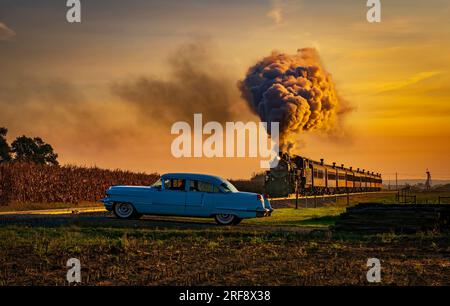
pixel 125 211
pixel 225 219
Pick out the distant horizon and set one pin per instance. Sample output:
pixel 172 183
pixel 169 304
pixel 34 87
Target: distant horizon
pixel 400 180
pixel 417 181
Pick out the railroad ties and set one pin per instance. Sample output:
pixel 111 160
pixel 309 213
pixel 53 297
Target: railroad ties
pixel 377 218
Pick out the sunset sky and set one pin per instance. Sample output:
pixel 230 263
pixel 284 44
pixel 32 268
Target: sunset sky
pixel 75 85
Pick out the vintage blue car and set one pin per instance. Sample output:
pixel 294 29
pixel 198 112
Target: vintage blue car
pixel 187 194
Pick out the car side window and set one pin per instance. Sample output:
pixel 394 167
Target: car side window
pixel 193 185
pixel 199 186
pixel 174 184
pixel 216 189
pixel 166 183
pixel 204 187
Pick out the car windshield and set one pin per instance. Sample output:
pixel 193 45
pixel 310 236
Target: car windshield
pixel 228 187
pixel 157 184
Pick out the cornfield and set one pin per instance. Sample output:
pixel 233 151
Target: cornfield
pixel 32 183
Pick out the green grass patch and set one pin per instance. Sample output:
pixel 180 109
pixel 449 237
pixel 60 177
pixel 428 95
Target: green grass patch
pixel 308 217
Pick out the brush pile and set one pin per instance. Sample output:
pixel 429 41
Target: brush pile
pixel 402 218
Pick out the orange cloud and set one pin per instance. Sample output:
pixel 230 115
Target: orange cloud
pixel 413 79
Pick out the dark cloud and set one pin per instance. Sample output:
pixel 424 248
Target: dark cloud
pixel 296 91
pixel 139 111
pixel 195 84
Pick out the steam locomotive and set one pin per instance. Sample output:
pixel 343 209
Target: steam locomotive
pixel 308 177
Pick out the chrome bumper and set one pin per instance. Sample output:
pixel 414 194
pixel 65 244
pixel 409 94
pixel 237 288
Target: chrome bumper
pixel 263 213
pixel 107 203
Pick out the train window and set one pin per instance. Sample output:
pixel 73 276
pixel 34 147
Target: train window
pixel 321 174
pixel 315 173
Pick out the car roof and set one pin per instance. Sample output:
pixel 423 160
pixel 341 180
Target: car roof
pixel 196 176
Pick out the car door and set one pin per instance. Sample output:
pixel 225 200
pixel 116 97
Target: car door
pixel 195 197
pixel 171 199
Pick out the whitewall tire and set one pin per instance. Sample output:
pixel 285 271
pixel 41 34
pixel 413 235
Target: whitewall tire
pixel 225 219
pixel 124 211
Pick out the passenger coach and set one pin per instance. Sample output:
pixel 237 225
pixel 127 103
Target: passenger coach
pixel 317 178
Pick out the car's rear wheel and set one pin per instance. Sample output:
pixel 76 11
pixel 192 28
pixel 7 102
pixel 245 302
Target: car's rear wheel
pixel 225 219
pixel 125 211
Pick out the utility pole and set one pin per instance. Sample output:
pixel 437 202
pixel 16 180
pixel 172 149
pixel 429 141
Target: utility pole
pixel 428 182
pixel 396 181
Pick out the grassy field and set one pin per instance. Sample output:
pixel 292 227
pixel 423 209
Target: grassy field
pixel 315 217
pixel 126 256
pixel 292 247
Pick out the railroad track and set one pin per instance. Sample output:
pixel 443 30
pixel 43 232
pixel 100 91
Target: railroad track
pixel 335 195
pixel 320 200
